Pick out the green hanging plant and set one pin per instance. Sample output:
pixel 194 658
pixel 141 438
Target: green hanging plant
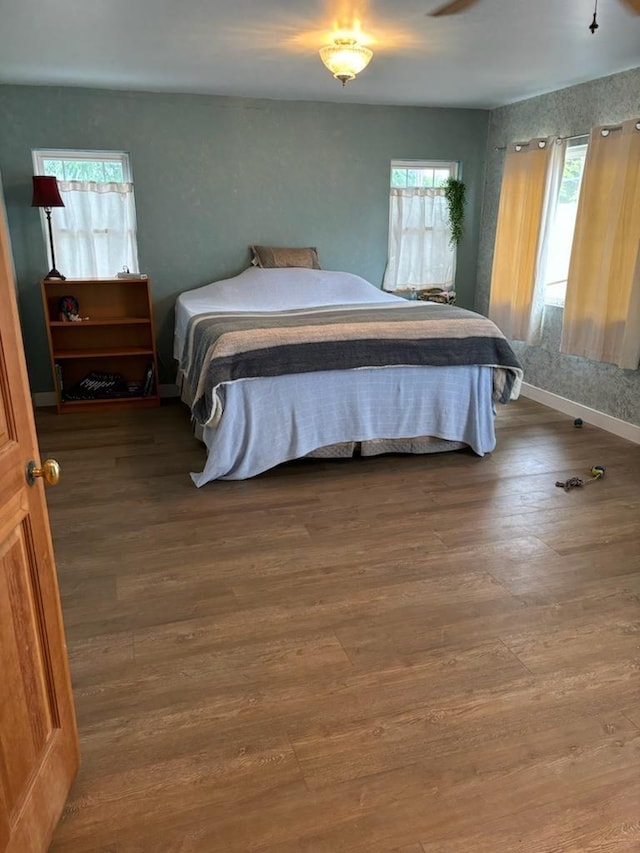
pixel 454 192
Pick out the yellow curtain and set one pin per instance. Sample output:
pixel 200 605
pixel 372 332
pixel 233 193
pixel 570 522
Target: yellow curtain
pixel 517 291
pixel 602 307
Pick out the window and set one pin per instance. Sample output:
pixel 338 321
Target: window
pixel 95 231
pixel 421 174
pixel 561 236
pixel 103 167
pixel 420 250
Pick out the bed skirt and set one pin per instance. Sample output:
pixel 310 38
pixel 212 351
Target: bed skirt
pixel 379 446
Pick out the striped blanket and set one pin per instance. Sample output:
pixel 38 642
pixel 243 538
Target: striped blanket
pixel 229 347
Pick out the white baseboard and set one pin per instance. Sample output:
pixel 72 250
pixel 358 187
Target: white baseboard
pixel 43 398
pixel 623 429
pixel 169 390
pixel 48 398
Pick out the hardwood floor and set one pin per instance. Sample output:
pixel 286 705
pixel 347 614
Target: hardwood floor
pixel 435 654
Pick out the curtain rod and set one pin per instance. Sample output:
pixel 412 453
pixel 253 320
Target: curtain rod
pixel 605 131
pixel 559 139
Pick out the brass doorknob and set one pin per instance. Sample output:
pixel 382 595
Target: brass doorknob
pixel 50 472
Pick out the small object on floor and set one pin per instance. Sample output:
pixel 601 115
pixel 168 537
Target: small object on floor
pixel 571 483
pixel 578 422
pixel 575 482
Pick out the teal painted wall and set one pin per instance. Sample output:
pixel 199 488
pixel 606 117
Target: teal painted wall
pixel 213 175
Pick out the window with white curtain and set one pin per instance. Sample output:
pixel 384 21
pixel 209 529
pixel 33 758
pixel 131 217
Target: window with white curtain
pixel 95 232
pixel 564 221
pixel 420 251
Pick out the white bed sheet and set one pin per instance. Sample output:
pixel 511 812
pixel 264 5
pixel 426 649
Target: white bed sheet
pixel 276 290
pixel 271 420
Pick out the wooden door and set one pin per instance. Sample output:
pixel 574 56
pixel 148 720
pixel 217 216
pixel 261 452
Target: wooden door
pixel 38 738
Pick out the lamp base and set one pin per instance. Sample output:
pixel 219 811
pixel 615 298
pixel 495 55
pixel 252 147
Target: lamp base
pixel 53 273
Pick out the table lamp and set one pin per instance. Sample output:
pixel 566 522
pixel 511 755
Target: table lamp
pixel 47 195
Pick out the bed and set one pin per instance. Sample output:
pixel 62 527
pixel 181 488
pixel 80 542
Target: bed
pixel 278 364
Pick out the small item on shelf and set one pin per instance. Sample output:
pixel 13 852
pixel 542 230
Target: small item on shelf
pixel 58 368
pixel 147 385
pixel 438 294
pixel 69 311
pixel 98 386
pixel 124 273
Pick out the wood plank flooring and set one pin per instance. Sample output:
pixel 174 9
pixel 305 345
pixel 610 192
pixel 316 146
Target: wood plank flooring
pixel 435 654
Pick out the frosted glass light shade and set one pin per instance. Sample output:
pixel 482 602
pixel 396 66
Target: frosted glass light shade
pixel 345 58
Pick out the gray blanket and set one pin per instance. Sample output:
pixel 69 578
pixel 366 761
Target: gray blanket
pixel 228 347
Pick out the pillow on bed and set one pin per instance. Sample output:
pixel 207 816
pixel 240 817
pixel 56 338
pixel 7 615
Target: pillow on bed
pixel 274 257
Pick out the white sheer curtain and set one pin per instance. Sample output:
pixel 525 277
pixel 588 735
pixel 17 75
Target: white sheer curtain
pixel 528 197
pixel 420 254
pixel 95 232
pixel 602 308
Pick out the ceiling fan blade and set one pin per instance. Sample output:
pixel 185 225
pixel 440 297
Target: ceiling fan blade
pixel 459 6
pixel 632 6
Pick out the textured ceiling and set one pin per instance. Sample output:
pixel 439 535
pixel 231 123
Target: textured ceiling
pixel 498 52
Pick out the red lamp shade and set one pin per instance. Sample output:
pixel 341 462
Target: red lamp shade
pixel 45 192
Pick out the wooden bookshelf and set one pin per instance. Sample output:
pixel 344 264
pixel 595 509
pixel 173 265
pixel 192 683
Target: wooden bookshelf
pixel 114 339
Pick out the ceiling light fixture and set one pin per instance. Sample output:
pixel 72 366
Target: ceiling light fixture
pixel 345 58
